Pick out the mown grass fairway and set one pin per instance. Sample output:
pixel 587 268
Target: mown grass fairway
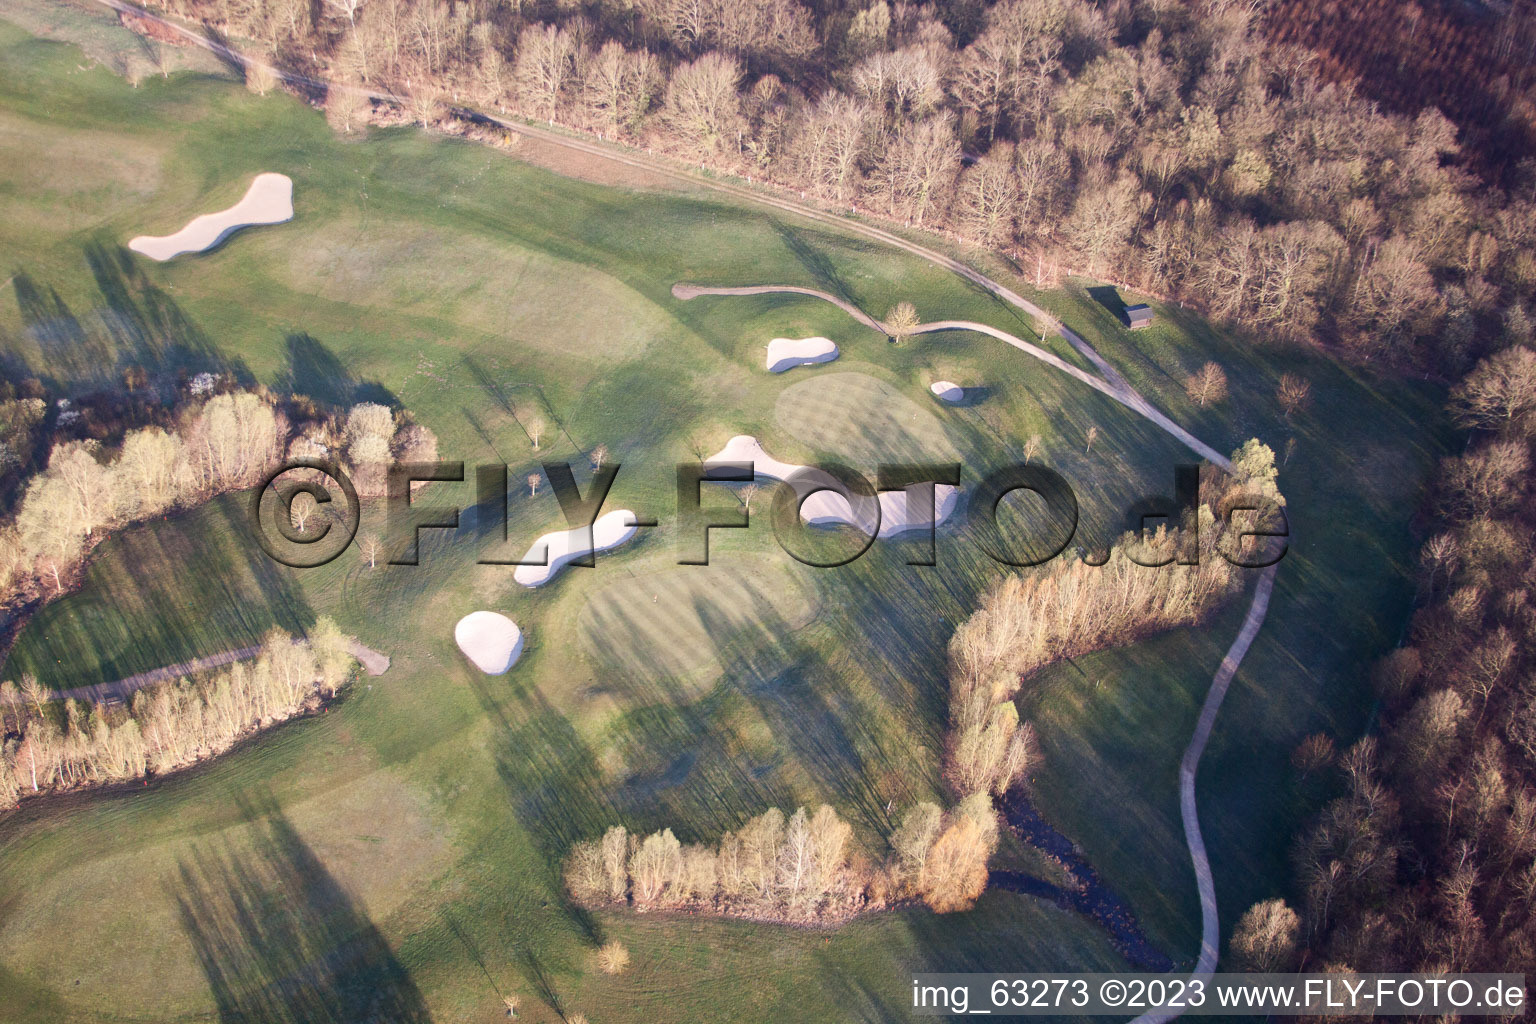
pixel 401 852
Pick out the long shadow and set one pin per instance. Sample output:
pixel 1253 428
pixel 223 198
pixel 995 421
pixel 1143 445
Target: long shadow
pixel 550 779
pixel 315 371
pixel 815 261
pixel 280 940
pixel 1108 296
pixel 136 324
pixel 56 330
pixel 145 325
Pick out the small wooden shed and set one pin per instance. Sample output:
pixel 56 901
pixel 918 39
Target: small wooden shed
pixel 1138 317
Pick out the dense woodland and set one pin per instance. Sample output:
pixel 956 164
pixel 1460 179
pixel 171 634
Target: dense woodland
pixel 1427 861
pixel 1474 61
pixel 1165 144
pixel 50 746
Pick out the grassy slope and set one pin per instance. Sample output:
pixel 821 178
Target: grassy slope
pixel 419 822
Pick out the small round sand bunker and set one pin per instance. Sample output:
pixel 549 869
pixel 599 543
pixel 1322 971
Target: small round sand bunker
pixel 490 640
pixel 947 391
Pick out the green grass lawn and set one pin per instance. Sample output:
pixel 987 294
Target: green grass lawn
pixel 399 854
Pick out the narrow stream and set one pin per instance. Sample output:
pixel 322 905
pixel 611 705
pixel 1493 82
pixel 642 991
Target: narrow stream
pixel 1091 897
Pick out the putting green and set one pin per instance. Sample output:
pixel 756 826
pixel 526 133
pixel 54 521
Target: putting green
pixel 861 420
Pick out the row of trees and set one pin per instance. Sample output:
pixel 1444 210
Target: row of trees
pixel 1161 142
pixel 228 442
pixel 804 868
pixel 800 868
pixel 52 746
pixel 1426 858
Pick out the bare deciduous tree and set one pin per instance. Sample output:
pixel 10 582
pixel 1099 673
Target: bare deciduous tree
pixel 1207 385
pixel 546 65
pixel 599 456
pixel 1499 389
pixel 1267 938
pixel 613 957
pixel 1032 447
pixel 369 546
pixel 534 480
pixel 900 320
pixel 1293 393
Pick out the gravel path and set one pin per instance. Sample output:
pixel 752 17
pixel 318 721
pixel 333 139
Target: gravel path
pixel 1210 928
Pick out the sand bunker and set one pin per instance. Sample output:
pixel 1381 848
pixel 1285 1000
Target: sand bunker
pixel 490 640
pixel 564 546
pixel 269 200
pixel 947 390
pixel 829 508
pixel 787 353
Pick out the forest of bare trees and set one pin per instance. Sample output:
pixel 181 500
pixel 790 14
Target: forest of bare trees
pixel 1162 143
pixel 223 442
pixel 1426 857
pixel 49 746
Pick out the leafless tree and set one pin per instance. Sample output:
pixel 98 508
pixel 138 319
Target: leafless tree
pixel 1267 937
pixel 1207 385
pixel 1293 393
pixel 900 320
pixel 369 546
pixel 599 456
pixel 1093 435
pixel 1032 448
pixel 301 510
pixel 613 957
pixel 1313 754
pixel 346 107
pixel 702 109
pixel 1499 389
pixel 346 9
pixel 535 427
pixel 546 66
pixel 534 480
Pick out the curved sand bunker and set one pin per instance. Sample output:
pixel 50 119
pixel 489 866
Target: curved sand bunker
pixel 564 546
pixel 269 200
pixel 829 508
pixel 490 640
pixel 787 353
pixel 947 391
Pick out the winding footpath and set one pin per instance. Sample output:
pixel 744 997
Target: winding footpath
pixel 1189 767
pixel 1112 383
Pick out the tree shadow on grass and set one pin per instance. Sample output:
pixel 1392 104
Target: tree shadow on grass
pixel 815 261
pixel 137 324
pixel 314 370
pixel 280 940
